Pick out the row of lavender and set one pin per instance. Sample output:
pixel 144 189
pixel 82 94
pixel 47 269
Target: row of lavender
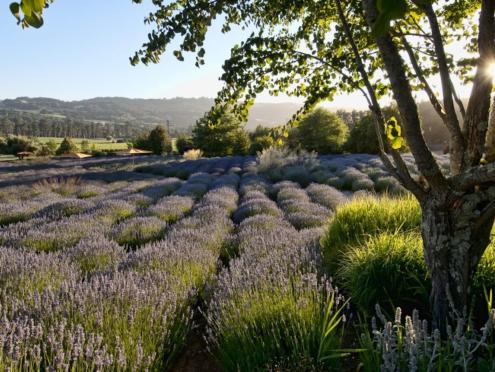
pixel 88 303
pixel 271 308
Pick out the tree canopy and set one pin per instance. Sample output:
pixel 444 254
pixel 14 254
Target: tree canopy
pixel 381 48
pixel 322 131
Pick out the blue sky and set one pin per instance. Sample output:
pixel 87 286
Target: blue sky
pixel 82 51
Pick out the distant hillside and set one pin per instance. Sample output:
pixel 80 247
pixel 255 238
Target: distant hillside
pixel 181 112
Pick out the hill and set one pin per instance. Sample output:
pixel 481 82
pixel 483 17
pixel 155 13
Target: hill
pixel 182 113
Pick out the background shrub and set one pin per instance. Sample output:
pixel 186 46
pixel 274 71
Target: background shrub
pixel 223 137
pixel 322 131
pixel 184 144
pixel 66 147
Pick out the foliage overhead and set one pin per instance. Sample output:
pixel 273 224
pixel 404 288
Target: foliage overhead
pixel 29 13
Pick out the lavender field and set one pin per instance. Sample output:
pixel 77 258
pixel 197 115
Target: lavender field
pixel 120 274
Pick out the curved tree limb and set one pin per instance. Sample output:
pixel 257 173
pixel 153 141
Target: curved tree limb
pixel 400 171
pixel 395 68
pixel 457 141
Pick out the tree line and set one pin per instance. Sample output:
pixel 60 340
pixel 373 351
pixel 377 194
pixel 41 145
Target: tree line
pixel 31 125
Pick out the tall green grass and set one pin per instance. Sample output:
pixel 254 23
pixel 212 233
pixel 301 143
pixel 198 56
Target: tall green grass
pixel 279 330
pixel 355 222
pixel 388 270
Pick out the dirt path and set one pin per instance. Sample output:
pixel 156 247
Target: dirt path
pixel 195 357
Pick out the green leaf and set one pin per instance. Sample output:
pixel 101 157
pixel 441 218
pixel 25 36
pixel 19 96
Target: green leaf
pixel 34 20
pixel 26 8
pixel 389 10
pixel 15 10
pixel 38 5
pixel 394 133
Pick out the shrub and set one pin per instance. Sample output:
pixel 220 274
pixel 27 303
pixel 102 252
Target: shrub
pixel 260 140
pixel 66 147
pixel 282 163
pixel 159 141
pixel 184 144
pixel 15 144
pixel 388 270
pixel 253 207
pixel 222 137
pixel 367 216
pixel 363 139
pixel 322 131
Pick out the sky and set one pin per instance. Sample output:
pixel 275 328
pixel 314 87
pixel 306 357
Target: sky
pixel 83 51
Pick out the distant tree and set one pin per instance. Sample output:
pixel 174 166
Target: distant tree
pixel 322 131
pixel 52 146
pixel 66 147
pixel 221 136
pixel 12 145
pixel 184 143
pixel 45 150
pixel 159 141
pixel 261 139
pixel 85 146
pixel 362 138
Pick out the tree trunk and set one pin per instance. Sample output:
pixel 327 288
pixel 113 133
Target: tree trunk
pixel 454 243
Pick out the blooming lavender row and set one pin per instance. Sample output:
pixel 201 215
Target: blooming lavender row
pixel 267 302
pixel 183 169
pixel 298 209
pixel 133 310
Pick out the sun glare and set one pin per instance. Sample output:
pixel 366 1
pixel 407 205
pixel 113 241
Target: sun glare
pixel 491 70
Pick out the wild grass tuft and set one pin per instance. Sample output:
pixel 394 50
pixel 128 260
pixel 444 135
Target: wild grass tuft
pixel 364 217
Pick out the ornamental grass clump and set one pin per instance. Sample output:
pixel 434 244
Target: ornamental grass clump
pixel 367 216
pixel 388 270
pixel 137 231
pixel 171 208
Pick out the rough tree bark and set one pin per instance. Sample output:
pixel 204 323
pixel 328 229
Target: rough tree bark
pixel 458 211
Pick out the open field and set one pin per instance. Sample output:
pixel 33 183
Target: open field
pixel 218 264
pixel 99 143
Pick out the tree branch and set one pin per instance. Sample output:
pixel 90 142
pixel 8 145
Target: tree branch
pixel 400 171
pixel 407 106
pixel 457 141
pixel 477 113
pixel 475 176
pixel 421 77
